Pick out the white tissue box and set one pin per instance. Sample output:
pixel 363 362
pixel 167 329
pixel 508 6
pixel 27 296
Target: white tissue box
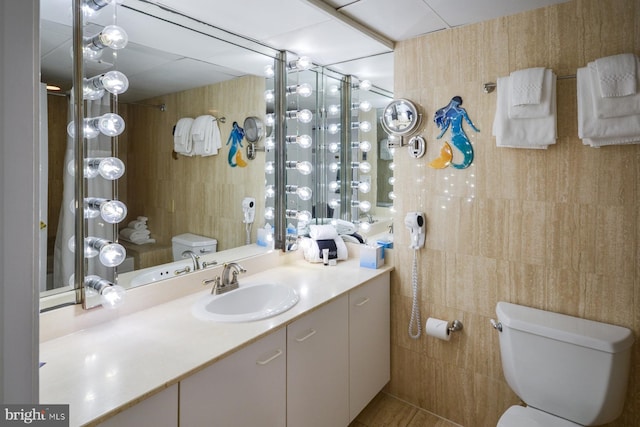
pixel 371 256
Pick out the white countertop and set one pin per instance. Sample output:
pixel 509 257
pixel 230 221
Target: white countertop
pixel 104 369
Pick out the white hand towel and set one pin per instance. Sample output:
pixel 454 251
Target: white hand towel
pixel 182 136
pixel 607 131
pixel 311 251
pixel 205 136
pixel 617 75
pixel 543 108
pixel 536 133
pixel 198 134
pixel 619 106
pixel 137 225
pixel 321 232
pixel 526 86
pixel 138 237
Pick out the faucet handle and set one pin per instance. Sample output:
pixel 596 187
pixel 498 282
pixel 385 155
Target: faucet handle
pixel 216 284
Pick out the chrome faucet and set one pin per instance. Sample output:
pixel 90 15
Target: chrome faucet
pixel 195 258
pixel 224 284
pixel 368 216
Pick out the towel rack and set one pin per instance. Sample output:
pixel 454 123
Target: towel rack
pixel 491 86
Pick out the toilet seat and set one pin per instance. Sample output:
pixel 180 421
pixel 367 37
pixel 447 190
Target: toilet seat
pixel 520 416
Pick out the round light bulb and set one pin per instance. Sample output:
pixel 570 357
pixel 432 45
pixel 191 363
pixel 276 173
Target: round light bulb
pixel 269 168
pixel 303 63
pixel 365 126
pixel 305 90
pixel 269 191
pixel 269 96
pixel 303 216
pixel 115 82
pixel 111 168
pixel 304 168
pixel 304 116
pixel 270 119
pixel 364 206
pixel 365 226
pixel 365 146
pixel 364 187
pixel 365 106
pixel 365 167
pixel 333 167
pixel 269 72
pixel 392 195
pixel 334 147
pixel 392 180
pixel 112 296
pixel 334 203
pixel 304 193
pixel 304 141
pixel 333 128
pixel 89 130
pixel 334 89
pixel 269 143
pixel 112 254
pixel 365 85
pixel 113 211
pixel 268 213
pixel 334 185
pixel 111 124
pixel 392 166
pixel 333 110
pixel 114 37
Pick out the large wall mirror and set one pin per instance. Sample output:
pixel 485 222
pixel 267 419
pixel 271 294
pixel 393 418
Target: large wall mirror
pixel 215 73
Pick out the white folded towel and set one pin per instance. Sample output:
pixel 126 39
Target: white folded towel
pixel 320 232
pixel 137 224
pixel 139 237
pixel 312 253
pixel 613 106
pixel 596 131
pixel 526 86
pixel 617 75
pixel 536 133
pixel 541 109
pixel 182 136
pixel 205 136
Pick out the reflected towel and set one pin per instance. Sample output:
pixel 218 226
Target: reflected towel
pixel 182 136
pixel 617 75
pixel 205 136
pixel 536 133
pixel 612 107
pixel 137 225
pixel 526 86
pixel 541 109
pixel 139 237
pixel 605 131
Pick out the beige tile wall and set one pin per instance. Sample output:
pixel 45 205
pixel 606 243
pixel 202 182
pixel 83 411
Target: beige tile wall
pixel 200 195
pixel 555 229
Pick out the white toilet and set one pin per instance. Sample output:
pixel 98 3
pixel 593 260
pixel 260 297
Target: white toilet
pixel 569 371
pixel 199 245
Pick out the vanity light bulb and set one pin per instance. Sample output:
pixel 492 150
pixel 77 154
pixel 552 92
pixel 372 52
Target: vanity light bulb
pixel 111 168
pixel 304 141
pixel 302 63
pixel 365 85
pixel 114 37
pixel 304 193
pixel 364 206
pixel 334 147
pixel 269 143
pixel 115 82
pixel 392 180
pixel 365 167
pixel 365 146
pixel 333 110
pixel 112 254
pixel 269 72
pixel 334 167
pixel 333 128
pixel 270 120
pixel 334 185
pixel 269 168
pixel 365 106
pixel 334 203
pixel 364 187
pixel 269 191
pixel 269 96
pixel 113 211
pixel 334 89
pixel 111 124
pixel 304 216
pixel 89 130
pixel 304 116
pixel 304 90
pixel 392 195
pixel 392 166
pixel 112 296
pixel 304 168
pixel 365 226
pixel 364 126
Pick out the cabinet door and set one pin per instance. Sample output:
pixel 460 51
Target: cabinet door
pixel 369 342
pixel 246 388
pixel 317 367
pixel 159 410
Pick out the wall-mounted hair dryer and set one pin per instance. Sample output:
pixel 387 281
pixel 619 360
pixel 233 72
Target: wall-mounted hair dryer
pixel 249 210
pixel 415 222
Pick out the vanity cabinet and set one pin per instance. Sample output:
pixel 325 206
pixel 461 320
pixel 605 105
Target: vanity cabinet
pixel 369 342
pixel 318 367
pixel 159 410
pixel 246 388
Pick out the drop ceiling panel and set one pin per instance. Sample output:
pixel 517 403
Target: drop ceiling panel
pixel 396 20
pixel 378 69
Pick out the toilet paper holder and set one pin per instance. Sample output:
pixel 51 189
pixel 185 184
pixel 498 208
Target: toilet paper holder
pixel 455 326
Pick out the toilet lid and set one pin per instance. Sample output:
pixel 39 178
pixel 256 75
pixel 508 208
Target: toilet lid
pixel 520 416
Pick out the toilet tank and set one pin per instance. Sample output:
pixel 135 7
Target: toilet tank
pixel 573 368
pixel 199 245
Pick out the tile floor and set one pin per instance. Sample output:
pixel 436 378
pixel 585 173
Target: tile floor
pixel 388 411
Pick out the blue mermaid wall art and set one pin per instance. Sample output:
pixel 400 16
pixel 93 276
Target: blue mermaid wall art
pixel 235 142
pixel 451 116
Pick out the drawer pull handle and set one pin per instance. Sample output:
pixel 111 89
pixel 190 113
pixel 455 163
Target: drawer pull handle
pixel 277 354
pixel 311 333
pixel 363 302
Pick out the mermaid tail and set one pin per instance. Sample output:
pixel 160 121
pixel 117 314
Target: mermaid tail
pixel 232 155
pixel 239 160
pixel 463 144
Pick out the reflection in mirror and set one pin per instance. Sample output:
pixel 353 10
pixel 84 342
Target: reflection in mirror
pixel 401 117
pixel 175 194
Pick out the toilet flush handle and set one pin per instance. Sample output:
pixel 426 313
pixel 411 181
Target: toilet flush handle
pixel 496 325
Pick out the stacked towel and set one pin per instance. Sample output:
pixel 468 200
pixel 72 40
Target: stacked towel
pixel 182 137
pixel 526 118
pixel 313 253
pixel 205 136
pixel 137 232
pixel 609 120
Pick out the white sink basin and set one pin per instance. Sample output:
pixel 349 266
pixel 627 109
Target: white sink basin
pixel 247 303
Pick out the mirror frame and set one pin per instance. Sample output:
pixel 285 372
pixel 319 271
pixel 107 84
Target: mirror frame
pixel 390 124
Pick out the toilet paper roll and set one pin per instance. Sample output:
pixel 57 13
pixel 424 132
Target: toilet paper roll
pixel 438 328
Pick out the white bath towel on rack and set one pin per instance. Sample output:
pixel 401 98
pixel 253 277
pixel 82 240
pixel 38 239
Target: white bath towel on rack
pixel 619 106
pixel 182 136
pixel 526 86
pixel 535 133
pixel 541 109
pixel 205 136
pixel 596 131
pixel 617 75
